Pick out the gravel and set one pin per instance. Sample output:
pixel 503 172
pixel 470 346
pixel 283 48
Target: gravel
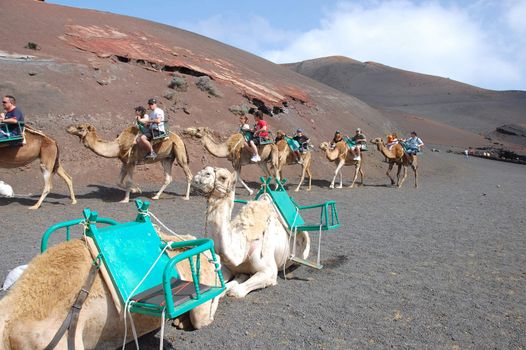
pixel 441 266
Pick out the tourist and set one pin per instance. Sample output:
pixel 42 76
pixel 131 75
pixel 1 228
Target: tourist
pixel 12 116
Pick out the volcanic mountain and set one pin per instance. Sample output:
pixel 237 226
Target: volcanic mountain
pixel 446 110
pixel 67 65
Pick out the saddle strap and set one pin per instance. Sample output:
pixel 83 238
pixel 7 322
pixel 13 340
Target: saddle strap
pixel 70 322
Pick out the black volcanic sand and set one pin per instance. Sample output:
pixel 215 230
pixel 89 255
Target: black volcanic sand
pixel 443 266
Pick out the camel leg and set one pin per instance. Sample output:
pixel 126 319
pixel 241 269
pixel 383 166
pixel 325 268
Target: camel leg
pixel 341 176
pixel 303 170
pixel 338 167
pixel 188 174
pixel 47 186
pixel 361 175
pixel 404 176
pixel 416 175
pixel 260 279
pixel 129 183
pixel 69 181
pixel 122 184
pixel 167 167
pixel 356 170
pixel 388 173
pixel 310 178
pixel 238 174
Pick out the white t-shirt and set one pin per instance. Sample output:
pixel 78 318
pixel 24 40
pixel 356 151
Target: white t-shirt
pixel 157 114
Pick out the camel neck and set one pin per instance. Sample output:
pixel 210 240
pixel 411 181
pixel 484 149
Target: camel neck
pixel 107 149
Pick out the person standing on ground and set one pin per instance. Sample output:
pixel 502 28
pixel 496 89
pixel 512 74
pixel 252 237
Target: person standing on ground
pixel 12 116
pixel 155 123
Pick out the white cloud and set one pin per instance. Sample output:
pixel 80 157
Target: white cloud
pixel 427 37
pixel 252 34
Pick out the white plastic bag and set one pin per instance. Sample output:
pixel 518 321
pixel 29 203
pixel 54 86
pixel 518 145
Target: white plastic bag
pixel 6 190
pixel 13 276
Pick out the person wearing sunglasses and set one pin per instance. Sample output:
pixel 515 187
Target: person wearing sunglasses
pixel 12 116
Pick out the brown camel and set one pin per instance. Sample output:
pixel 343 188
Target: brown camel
pixel 233 149
pixel 341 156
pixel 287 157
pixel 124 147
pixel 397 156
pixel 37 145
pixel 38 302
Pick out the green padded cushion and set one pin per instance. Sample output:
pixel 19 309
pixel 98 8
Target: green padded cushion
pixel 129 250
pixel 286 208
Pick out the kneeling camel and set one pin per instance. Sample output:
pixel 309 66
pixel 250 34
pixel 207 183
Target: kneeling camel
pixel 254 243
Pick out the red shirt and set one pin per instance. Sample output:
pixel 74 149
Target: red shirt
pixel 259 125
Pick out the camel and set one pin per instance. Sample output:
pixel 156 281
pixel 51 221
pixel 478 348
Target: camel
pixel 286 157
pixel 124 147
pixel 341 156
pixel 233 149
pixel 397 156
pixel 37 145
pixel 38 302
pixel 254 243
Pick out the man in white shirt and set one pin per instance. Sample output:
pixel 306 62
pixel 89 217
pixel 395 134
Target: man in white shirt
pixel 414 144
pixel 155 123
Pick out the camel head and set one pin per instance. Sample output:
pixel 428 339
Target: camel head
pixel 80 130
pixel 324 146
pixel 198 132
pixel 377 141
pixel 212 180
pixel 280 134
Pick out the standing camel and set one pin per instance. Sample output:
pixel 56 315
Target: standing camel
pixel 397 156
pixel 341 156
pixel 40 146
pixel 233 149
pixel 286 157
pixel 254 243
pixel 36 305
pixel 124 147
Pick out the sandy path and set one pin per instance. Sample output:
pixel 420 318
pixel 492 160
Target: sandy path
pixel 437 267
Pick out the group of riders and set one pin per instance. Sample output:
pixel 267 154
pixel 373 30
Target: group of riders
pixel 300 143
pixel 152 125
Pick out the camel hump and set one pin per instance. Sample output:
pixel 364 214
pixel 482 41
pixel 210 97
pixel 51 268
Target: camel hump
pixel 33 131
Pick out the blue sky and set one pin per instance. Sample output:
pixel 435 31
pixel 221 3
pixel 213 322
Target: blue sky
pixel 480 42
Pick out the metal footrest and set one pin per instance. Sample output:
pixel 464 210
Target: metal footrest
pixel 312 264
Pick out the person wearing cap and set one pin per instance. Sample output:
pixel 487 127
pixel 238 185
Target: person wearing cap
pixel 303 142
pixel 154 122
pixel 413 144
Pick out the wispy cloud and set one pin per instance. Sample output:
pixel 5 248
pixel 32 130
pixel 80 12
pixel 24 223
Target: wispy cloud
pixel 480 42
pixel 424 37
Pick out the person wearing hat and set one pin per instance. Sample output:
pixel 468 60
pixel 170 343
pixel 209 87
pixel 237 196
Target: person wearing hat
pixel 303 142
pixel 154 122
pixel 360 140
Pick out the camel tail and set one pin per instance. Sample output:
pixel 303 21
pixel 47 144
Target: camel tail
pixel 57 159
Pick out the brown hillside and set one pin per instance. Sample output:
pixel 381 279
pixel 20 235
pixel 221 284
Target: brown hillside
pixel 448 104
pixel 96 67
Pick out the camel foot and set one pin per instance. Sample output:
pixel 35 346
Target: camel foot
pixel 340 186
pixel 156 197
pixel 237 292
pixel 73 202
pixel 125 201
pixel 297 190
pixel 308 189
pixel 331 186
pixel 250 192
pixel 34 207
pixel 186 198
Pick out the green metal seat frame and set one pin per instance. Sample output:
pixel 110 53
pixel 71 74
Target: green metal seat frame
pixel 129 250
pixel 156 134
pixel 290 212
pixel 4 127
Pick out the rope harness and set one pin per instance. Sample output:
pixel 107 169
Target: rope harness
pixel 71 320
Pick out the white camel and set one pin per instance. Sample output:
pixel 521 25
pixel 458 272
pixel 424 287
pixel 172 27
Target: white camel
pixel 36 305
pixel 254 243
